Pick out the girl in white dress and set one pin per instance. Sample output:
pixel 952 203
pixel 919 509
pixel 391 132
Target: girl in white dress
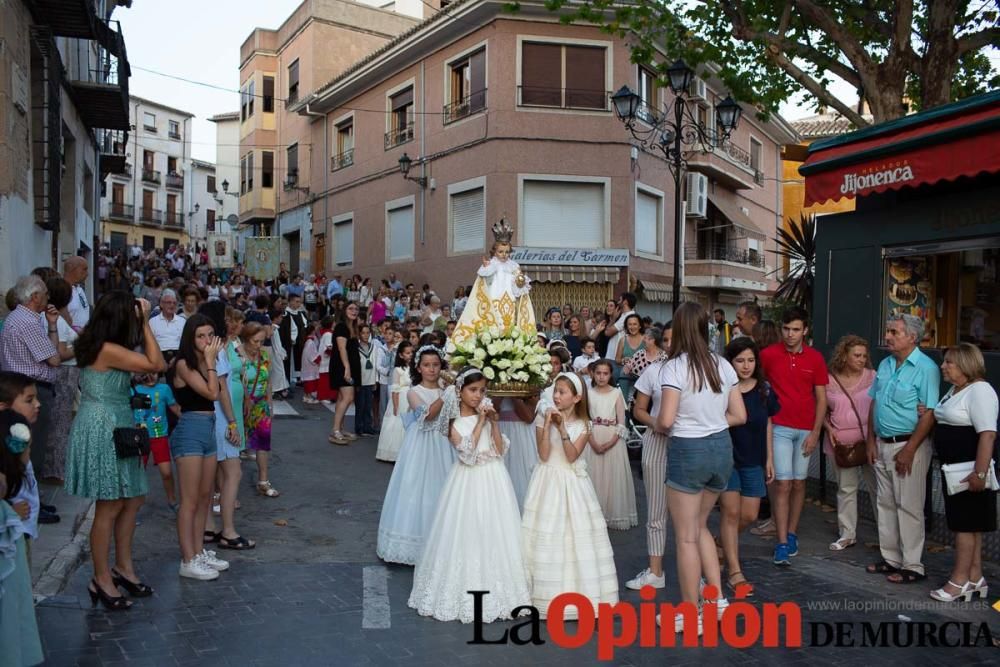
pixel 566 546
pixel 474 543
pixel 390 439
pixel 607 455
pixel 424 461
pixel 521 457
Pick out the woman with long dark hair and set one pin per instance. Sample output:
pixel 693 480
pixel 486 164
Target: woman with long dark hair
pixel 104 352
pixel 196 385
pixel 697 407
pixel 345 370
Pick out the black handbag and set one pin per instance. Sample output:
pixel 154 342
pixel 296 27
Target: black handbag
pixel 131 441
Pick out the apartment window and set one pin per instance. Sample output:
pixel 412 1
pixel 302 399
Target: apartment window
pixel 243 103
pixel 251 96
pixel 648 222
pixel 267 169
pixel 400 119
pixel 293 82
pixel 343 239
pixel 647 87
pixel 174 129
pixel 171 165
pixel 210 220
pixel 467 86
pixel 567 76
pixel 706 116
pixel 292 163
pixel 467 216
pixel 249 171
pixel 268 89
pixel 171 207
pixel 344 148
pixel 147 204
pixel 210 185
pixel 148 158
pixel 756 148
pixel 243 174
pixel 399 233
pixel 148 121
pixel 118 200
pixel 564 214
pixel 246 173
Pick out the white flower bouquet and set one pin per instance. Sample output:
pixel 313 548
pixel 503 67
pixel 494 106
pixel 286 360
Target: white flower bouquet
pixel 512 360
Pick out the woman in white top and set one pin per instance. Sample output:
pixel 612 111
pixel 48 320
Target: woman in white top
pixel 696 398
pixel 966 431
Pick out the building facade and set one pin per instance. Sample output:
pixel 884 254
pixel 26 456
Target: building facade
pixel 204 214
pixel 509 117
pixel 279 67
pixel 64 116
pixel 149 204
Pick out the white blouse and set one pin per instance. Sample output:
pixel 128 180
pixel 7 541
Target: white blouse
pixel 975 406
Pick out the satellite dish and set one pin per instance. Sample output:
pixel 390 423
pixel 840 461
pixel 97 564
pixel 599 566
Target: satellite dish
pixel 233 220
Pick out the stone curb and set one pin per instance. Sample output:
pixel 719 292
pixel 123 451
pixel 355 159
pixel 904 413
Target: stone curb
pixel 58 570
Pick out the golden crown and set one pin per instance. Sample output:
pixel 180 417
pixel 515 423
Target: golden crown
pixel 503 232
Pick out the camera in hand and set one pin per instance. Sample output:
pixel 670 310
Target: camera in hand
pixel 141 402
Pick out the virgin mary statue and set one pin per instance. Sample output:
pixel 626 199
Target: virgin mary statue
pixel 500 296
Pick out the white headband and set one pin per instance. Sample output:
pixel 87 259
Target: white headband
pixel 429 348
pixel 574 379
pixel 460 380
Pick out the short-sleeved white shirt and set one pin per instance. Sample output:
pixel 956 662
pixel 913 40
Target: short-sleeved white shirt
pixel 975 406
pixel 649 384
pixel 701 413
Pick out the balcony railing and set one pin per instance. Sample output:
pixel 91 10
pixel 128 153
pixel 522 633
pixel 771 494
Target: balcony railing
pixel 736 155
pixel 99 79
pixel 175 180
pixel 152 216
pixel 173 219
pixel 173 135
pixel 150 175
pixel 563 98
pixel 726 252
pixel 342 159
pixel 399 135
pixel 118 211
pixel 468 105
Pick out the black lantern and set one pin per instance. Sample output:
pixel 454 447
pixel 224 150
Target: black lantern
pixel 728 113
pixel 626 103
pixel 679 75
pixel 405 162
pixel 225 186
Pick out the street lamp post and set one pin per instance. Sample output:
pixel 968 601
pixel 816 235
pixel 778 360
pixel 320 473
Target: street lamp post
pixel 676 136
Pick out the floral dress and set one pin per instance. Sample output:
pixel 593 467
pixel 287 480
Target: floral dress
pixel 256 406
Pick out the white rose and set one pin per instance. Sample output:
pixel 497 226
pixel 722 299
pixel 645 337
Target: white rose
pixel 480 354
pixel 489 373
pixel 504 377
pixel 493 349
pixel 486 338
pixel 494 331
pixel 476 363
pixel 459 361
pixel 547 368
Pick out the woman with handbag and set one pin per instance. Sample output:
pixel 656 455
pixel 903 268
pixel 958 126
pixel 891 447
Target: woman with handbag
pixel 846 425
pixel 100 464
pixel 966 431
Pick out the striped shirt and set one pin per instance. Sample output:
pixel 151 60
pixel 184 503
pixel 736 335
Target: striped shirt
pixel 24 347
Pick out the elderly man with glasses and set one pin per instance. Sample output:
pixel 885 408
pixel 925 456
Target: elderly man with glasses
pixel 899 449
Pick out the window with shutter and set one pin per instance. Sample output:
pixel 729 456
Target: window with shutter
pixel 293 83
pixel 585 77
pixel 293 161
pixel 400 233
pixel 468 220
pixel 268 90
pixel 401 118
pixel 648 223
pixel 541 74
pixel 563 214
pixel 566 76
pixel 249 171
pixel 267 169
pixel 210 220
pixel 343 239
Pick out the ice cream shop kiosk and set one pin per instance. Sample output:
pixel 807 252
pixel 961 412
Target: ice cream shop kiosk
pixel 925 236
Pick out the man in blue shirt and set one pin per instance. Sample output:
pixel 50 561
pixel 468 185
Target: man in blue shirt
pixel 334 287
pixel 907 383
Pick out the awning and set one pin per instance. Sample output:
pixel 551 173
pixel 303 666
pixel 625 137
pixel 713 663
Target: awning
pixel 664 292
pixel 572 274
pixel 942 144
pixel 735 215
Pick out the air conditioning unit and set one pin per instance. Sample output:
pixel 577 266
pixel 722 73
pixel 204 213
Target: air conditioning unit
pixel 698 90
pixel 697 196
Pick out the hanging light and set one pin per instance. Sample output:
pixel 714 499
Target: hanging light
pixel 679 75
pixel 405 163
pixel 728 113
pixel 626 103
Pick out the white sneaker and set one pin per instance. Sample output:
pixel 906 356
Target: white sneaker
pixel 646 578
pixel 208 559
pixel 721 605
pixel 679 623
pixel 196 569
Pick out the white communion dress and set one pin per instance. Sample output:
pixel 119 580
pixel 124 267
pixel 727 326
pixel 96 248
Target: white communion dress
pixel 565 539
pixel 474 543
pixel 411 499
pixel 390 438
pixel 521 456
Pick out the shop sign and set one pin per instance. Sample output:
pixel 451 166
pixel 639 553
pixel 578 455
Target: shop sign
pixel 599 257
pixel 875 177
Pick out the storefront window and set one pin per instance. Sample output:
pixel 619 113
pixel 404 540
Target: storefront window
pixel 952 286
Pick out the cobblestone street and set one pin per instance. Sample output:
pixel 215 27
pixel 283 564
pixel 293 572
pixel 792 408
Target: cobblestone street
pixel 313 592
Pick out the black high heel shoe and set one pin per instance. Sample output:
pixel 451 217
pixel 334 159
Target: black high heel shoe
pixel 118 603
pixel 136 590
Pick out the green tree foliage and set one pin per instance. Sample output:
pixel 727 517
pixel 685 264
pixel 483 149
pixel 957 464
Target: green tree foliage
pixel 899 54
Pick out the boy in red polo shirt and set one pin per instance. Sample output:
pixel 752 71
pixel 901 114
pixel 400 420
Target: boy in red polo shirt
pixel 798 375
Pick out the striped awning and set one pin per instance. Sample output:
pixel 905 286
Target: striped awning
pixel 572 274
pixel 664 292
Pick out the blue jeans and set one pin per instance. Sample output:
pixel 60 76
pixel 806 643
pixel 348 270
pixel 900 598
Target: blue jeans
pixel 697 464
pixel 364 397
pixel 789 462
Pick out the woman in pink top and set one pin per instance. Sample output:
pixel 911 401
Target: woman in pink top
pixel 851 376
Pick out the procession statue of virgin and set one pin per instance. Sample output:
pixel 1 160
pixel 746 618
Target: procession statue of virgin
pixel 500 296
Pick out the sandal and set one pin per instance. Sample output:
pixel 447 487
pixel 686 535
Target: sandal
pixel 743 587
pixel 264 488
pixel 842 543
pixel 881 567
pixel 136 589
pixel 337 438
pixel 210 537
pixel 905 577
pixel 238 543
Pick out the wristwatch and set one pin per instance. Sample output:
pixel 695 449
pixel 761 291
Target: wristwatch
pixel 981 476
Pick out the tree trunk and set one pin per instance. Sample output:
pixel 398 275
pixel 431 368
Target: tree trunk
pixel 937 67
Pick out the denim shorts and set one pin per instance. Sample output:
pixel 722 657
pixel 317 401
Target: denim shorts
pixel 696 464
pixel 789 463
pixel 193 436
pixel 749 482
